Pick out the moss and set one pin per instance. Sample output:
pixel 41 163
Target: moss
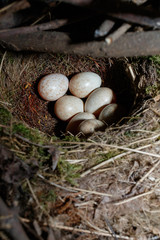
pixel 20 128
pixel 152 90
pixel 156 61
pixel 104 157
pixel 49 196
pixel 70 138
pixel 5 116
pixel 67 171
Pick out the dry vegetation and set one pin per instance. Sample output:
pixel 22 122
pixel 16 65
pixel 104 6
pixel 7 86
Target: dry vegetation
pixel 104 187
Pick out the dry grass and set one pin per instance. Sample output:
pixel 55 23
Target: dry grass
pixel 117 192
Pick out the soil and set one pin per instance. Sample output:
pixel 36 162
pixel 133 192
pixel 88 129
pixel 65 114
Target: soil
pixel 116 195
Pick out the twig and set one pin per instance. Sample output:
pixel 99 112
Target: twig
pixel 87 231
pixel 117 34
pixel 148 173
pixel 31 29
pixel 104 28
pixel 55 185
pixel 91 192
pixel 7 7
pixel 91 170
pixel 131 198
pixel 73 189
pixel 58 42
pixel 1 65
pixel 143 140
pixel 33 194
pixel 32 143
pixel 140 19
pixel 4 126
pixel 1 102
pixel 113 159
pixel 36 199
pixel 130 150
pixel 110 227
pixel 90 224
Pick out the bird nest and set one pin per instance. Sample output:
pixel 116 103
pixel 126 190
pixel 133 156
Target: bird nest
pixel 21 75
pixel 116 192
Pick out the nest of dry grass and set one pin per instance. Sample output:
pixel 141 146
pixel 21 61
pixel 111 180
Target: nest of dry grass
pixel 116 193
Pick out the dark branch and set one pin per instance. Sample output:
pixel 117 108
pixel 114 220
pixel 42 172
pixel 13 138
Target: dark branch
pixel 130 44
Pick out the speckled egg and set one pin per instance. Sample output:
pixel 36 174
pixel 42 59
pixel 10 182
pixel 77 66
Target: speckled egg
pixel 98 99
pixel 67 106
pixel 73 124
pixel 89 126
pixel 84 83
pixel 112 113
pixel 53 86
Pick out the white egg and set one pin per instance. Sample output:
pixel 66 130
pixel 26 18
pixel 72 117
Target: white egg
pixel 112 113
pixel 67 106
pixel 53 86
pixel 84 83
pixel 98 99
pixel 88 127
pixel 73 124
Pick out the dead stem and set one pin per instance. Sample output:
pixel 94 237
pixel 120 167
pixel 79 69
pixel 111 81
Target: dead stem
pixel 132 198
pixel 32 143
pixel 36 199
pixel 148 173
pixel 115 158
pixel 104 145
pixel 1 65
pixel 72 229
pixel 55 185
pixel 73 189
pixel 7 7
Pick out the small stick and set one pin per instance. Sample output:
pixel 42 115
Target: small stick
pixel 32 143
pixel 112 146
pixel 5 103
pixel 87 231
pixel 148 173
pixel 4 126
pixel 55 185
pixel 73 189
pixel 113 159
pixel 117 34
pixel 1 65
pixel 110 228
pixel 148 21
pixel 104 28
pixel 31 29
pixel 131 198
pixel 7 7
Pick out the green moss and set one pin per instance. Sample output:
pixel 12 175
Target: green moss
pixel 156 61
pixel 106 156
pixel 152 90
pixel 5 116
pixel 70 138
pixel 48 197
pixel 21 129
pixel 67 171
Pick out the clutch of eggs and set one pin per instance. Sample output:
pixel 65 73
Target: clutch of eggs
pixel 53 87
